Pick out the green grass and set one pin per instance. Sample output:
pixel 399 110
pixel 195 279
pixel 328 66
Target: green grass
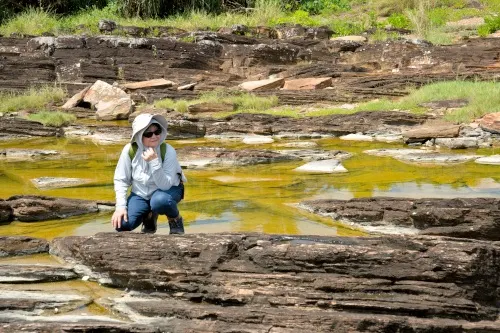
pixel 34 21
pixel 53 118
pixel 34 98
pixel 243 102
pixel 483 97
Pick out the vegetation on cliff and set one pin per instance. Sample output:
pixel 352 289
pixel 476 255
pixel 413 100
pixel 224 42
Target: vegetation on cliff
pixel 427 18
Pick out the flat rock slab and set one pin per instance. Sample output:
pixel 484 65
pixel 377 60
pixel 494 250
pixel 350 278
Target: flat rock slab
pixel 262 84
pixel 308 83
pixel 38 302
pixel 32 208
pixel 477 218
pixel 428 131
pixel 493 160
pixel 324 166
pixel 292 281
pixel 422 156
pixel 34 273
pixel 15 322
pixel 18 153
pixel 22 245
pixel 147 84
pixel 257 139
pixel 58 182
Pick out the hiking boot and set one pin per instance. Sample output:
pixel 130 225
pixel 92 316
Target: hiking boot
pixel 176 225
pixel 149 223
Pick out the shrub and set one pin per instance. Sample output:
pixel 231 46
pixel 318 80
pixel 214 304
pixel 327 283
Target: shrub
pixel 491 24
pixel 399 21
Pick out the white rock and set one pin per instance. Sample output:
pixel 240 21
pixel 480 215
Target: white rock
pixel 324 166
pixel 357 137
pixel 257 139
pixel 493 159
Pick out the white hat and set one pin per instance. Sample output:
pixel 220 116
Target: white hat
pixel 142 121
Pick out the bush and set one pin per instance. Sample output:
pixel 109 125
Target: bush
pixel 491 24
pixel 400 21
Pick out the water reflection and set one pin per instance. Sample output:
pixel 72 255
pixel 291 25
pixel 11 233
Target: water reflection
pixel 256 198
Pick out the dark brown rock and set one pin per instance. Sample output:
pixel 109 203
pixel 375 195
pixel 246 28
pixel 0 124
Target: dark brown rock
pixel 5 212
pixel 18 127
pixel 330 125
pixel 31 208
pixel 296 281
pixel 477 218
pixel 21 245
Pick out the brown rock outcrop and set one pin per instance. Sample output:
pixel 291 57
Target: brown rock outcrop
pixel 209 283
pixel 22 245
pixel 32 208
pixel 477 218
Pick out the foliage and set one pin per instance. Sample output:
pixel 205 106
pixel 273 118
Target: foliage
pixel 398 20
pixel 34 21
pixel 345 28
pixel 315 7
pixel 34 98
pixel 297 17
pixel 53 118
pixel 491 24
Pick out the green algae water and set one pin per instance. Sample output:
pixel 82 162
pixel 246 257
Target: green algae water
pixel 258 198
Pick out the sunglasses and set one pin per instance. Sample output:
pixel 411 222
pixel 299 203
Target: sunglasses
pixel 150 134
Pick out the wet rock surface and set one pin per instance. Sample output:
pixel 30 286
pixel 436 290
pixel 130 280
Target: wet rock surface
pixel 476 218
pixel 10 273
pixel 199 157
pixel 209 283
pixel 32 208
pixel 22 245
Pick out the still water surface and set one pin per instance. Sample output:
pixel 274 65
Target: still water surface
pixel 258 198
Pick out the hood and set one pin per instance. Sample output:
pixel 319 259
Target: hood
pixel 142 121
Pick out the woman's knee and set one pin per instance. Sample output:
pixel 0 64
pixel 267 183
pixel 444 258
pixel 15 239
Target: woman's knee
pixel 162 202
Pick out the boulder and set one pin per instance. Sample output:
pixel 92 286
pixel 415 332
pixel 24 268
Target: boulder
pixel 493 160
pixel 308 83
pixel 110 103
pixel 76 99
pixel 490 122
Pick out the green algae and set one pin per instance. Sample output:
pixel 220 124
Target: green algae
pixel 257 198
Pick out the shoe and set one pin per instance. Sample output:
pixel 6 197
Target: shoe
pixel 176 225
pixel 149 223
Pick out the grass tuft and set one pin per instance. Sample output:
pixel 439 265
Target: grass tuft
pixel 53 118
pixel 34 98
pixel 243 101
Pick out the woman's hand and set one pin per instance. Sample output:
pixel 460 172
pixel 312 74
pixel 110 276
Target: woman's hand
pixel 116 219
pixel 149 154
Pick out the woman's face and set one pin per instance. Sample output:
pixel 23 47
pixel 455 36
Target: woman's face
pixel 153 141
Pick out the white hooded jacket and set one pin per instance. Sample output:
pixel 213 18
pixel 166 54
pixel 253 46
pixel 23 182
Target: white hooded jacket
pixel 146 177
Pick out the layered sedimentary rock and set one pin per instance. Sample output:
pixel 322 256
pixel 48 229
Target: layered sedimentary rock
pixel 477 218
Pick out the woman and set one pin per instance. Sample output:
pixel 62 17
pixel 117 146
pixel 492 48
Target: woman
pixel 157 181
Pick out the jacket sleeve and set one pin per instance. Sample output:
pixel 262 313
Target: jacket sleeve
pixel 123 177
pixel 165 174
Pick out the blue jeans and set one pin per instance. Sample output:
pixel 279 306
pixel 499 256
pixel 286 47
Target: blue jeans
pixel 161 202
